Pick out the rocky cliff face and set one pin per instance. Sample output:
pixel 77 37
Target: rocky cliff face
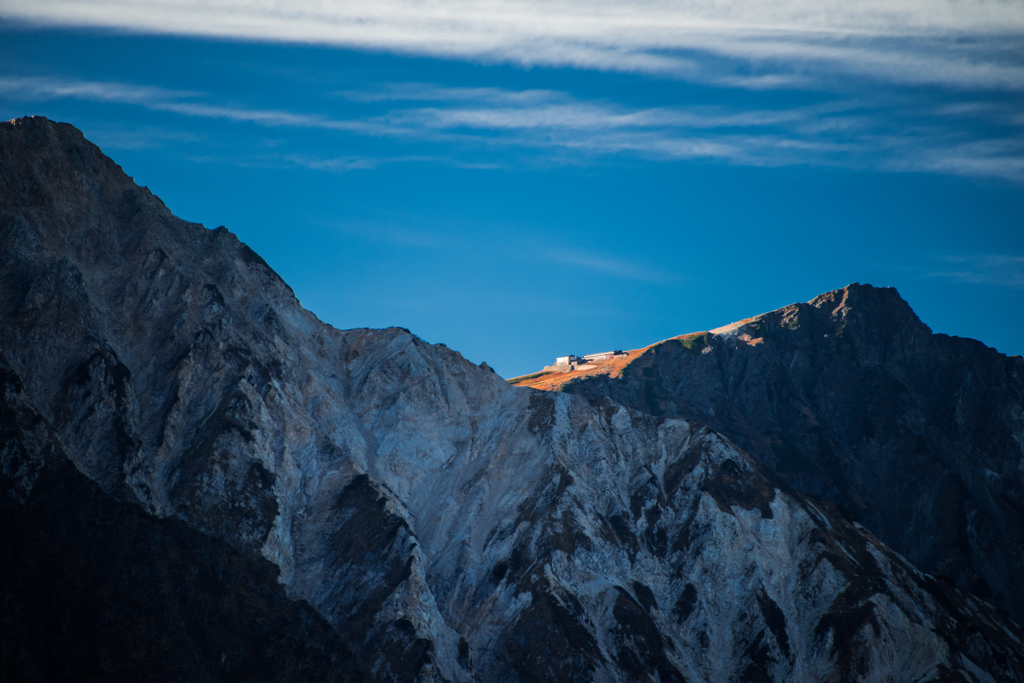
pixel 424 521
pixel 96 589
pixel 919 436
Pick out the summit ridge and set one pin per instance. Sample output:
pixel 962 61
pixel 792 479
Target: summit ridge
pixel 280 500
pixel 851 397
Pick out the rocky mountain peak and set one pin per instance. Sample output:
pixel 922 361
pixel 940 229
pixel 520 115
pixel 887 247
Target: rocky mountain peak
pixel 863 297
pixel 851 397
pixel 876 316
pixel 217 486
pixel 54 168
pixel 880 312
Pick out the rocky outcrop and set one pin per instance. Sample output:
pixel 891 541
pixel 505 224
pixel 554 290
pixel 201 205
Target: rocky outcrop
pixel 97 589
pixel 445 525
pixel 919 436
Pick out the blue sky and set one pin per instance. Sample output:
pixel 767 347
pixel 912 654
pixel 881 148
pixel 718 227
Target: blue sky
pixel 521 181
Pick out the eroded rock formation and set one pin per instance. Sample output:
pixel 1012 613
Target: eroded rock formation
pixel 384 509
pixel 850 396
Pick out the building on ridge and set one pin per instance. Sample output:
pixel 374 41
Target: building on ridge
pixel 570 363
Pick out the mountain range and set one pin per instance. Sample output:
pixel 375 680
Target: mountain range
pixel 917 436
pixel 200 480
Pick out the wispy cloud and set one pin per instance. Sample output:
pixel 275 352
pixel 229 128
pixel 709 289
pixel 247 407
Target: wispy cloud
pixel 955 43
pixel 606 265
pixel 95 91
pixel 993 158
pixel 429 92
pixel 340 164
pixel 392 234
pixel 161 99
pixel 521 249
pixel 146 137
pixel 554 127
pixel 350 163
pixel 984 269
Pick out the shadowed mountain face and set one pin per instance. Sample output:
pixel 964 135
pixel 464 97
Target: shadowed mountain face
pixel 919 436
pixel 97 589
pixel 185 445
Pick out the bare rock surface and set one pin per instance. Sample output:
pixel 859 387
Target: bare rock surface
pixel 96 589
pixel 850 396
pixel 447 526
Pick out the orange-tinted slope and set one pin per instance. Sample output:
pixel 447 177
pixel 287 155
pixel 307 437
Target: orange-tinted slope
pixel 613 367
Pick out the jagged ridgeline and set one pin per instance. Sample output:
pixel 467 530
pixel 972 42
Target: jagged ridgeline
pixel 199 480
pixel 918 436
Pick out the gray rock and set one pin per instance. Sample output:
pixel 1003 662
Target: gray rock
pixel 919 436
pixel 447 526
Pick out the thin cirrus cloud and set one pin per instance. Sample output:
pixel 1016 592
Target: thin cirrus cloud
pixel 350 163
pixel 983 269
pixel 555 127
pixel 146 137
pixel 594 262
pixel 605 265
pixel 757 44
pixel 154 98
pixel 525 250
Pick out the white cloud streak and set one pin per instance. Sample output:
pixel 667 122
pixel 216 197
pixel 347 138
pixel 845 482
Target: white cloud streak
pixel 615 267
pixel 606 265
pixel 95 91
pixel 146 137
pixel 984 269
pixel 562 129
pixel 955 43
pixel 345 164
